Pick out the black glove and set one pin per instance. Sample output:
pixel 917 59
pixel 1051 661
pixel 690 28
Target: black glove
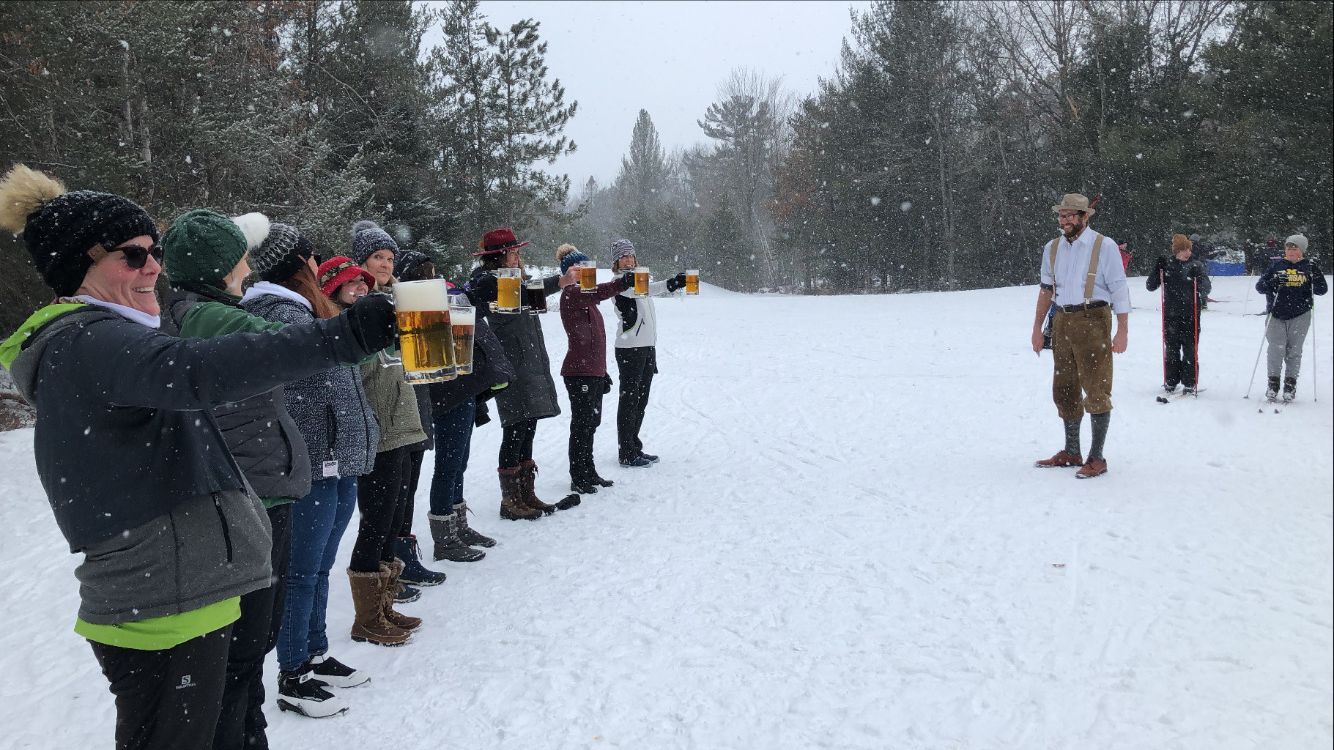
pixel 372 321
pixel 1160 265
pixel 1195 272
pixel 676 282
pixel 483 414
pixel 628 278
pixel 606 384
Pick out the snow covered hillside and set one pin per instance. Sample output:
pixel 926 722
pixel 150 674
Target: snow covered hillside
pixel 844 546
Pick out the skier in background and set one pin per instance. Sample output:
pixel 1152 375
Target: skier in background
pixel 1179 276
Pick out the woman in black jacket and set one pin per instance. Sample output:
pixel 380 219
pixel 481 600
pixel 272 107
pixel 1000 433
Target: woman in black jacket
pixel 531 395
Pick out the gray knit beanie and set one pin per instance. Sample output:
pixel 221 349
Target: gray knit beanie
pixel 367 237
pixel 1297 239
pixel 281 254
pixel 620 249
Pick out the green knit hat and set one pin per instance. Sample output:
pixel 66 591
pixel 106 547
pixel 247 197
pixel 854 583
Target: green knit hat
pixel 202 247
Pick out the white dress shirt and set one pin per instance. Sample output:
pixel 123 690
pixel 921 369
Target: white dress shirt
pixel 1072 266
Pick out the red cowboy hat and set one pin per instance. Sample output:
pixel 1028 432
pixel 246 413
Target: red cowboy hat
pixel 498 241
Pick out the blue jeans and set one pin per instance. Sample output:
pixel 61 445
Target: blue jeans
pixel 318 522
pixel 453 433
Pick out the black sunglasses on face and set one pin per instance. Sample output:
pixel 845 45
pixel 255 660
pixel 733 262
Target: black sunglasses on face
pixel 136 256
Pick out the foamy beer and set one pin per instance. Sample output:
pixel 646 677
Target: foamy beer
pixel 508 281
pixel 425 338
pixel 588 277
pixel 463 327
pixel 535 296
pixel 641 281
pixel 692 281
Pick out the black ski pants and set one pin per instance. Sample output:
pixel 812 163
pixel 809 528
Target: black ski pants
pixel 1180 337
pixel 378 495
pixel 637 367
pixel 241 723
pixel 585 416
pixel 516 443
pixel 167 699
pixel 407 503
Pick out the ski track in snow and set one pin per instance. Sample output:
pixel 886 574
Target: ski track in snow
pixel 844 546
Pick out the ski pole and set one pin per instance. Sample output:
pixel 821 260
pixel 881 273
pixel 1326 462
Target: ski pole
pixel 1195 334
pixel 1162 313
pixel 1315 356
pixel 1263 333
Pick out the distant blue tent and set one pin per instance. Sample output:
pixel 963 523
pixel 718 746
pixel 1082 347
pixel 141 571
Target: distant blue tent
pixel 1225 268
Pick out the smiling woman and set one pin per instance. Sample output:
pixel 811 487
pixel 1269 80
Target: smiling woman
pixel 166 561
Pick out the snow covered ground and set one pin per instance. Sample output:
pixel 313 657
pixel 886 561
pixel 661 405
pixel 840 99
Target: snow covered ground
pixel 845 546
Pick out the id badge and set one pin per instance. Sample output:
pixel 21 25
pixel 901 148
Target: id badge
pixel 330 469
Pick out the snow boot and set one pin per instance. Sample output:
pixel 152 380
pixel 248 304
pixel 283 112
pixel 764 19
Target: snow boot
pixel 602 482
pixel 368 624
pixel 1169 387
pixel 448 545
pixel 406 594
pixel 469 536
pixel 648 457
pixel 585 487
pixel 638 462
pixel 512 507
pixel 1060 460
pixel 335 673
pixel 1289 389
pixel 302 693
pixel 527 481
pixel 1271 393
pixel 391 572
pixel 407 550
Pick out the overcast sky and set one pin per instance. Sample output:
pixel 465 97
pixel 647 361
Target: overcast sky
pixel 616 58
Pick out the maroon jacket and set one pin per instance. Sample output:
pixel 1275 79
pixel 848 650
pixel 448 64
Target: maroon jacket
pixel 587 355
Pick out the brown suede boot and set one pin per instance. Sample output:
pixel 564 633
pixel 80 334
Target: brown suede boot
pixel 368 624
pixel 391 572
pixel 527 479
pixel 512 506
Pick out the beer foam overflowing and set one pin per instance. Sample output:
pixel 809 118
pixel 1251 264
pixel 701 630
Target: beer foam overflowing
pixel 462 317
pixel 411 296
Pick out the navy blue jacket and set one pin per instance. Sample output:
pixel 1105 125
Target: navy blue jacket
pixel 1293 286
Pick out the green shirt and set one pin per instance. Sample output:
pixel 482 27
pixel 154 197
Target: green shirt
pixel 160 633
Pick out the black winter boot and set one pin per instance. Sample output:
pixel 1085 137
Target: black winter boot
pixel 1289 389
pixel 303 693
pixel 407 550
pixel 448 545
pixel 1271 392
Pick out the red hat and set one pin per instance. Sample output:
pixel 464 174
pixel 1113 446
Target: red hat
pixel 339 270
pixel 498 241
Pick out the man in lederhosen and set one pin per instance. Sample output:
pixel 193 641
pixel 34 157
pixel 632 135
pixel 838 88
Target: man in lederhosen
pixel 1082 274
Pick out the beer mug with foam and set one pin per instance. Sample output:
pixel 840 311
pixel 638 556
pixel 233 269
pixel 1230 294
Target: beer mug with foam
pixel 425 339
pixel 463 327
pixel 692 281
pixel 508 283
pixel 641 281
pixel 535 295
pixel 588 276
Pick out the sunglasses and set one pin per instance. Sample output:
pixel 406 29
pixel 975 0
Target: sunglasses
pixel 136 256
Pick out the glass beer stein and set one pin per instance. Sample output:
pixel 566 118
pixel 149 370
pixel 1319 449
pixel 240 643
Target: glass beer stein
pixel 692 281
pixel 535 296
pixel 425 338
pixel 641 281
pixel 463 327
pixel 508 298
pixel 588 276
